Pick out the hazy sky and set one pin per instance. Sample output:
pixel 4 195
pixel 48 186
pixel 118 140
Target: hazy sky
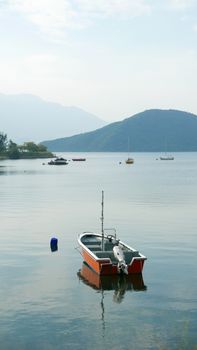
pixel 112 58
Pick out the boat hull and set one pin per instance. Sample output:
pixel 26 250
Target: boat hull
pixel 129 161
pixel 166 158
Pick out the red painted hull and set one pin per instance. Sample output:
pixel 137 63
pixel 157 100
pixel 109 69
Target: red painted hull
pixel 106 267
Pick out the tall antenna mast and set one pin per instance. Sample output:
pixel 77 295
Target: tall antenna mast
pixel 102 219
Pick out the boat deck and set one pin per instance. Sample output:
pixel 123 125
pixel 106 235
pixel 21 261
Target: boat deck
pixel 95 245
pixel 109 254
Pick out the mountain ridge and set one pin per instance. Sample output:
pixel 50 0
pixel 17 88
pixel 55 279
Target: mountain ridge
pixel 152 130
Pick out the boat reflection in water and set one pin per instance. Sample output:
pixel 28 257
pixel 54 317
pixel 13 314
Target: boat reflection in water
pixel 119 283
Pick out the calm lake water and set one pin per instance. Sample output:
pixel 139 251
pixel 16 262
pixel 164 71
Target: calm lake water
pixel 45 301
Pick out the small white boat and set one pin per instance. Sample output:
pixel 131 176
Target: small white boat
pixel 167 157
pixel 58 161
pixel 107 255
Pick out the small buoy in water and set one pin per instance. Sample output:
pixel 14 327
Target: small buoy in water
pixel 54 244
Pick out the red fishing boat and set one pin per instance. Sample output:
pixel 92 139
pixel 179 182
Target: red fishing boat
pixel 107 255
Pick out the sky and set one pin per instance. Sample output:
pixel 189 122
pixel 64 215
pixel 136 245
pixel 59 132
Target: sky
pixel 112 58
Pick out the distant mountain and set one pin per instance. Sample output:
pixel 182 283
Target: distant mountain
pixel 29 118
pixel 153 130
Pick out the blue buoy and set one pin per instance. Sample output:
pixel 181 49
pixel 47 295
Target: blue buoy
pixel 54 244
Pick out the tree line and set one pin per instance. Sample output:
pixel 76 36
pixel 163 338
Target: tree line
pixel 9 149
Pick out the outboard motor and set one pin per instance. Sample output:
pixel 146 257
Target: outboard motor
pixel 119 255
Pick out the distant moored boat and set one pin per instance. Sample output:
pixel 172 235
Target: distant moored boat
pixel 167 157
pixel 129 160
pixel 79 159
pixel 58 161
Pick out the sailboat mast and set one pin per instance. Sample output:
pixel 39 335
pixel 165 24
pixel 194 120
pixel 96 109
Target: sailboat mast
pixel 102 219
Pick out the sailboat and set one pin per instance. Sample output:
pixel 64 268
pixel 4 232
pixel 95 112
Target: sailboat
pixel 129 160
pixel 106 254
pixel 166 156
